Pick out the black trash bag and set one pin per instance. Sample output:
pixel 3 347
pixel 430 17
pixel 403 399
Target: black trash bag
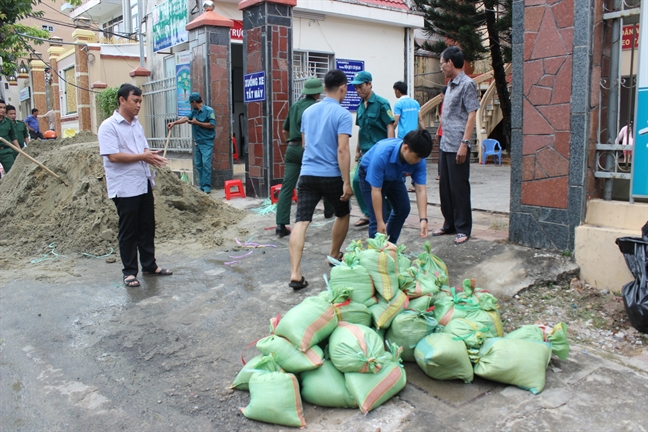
pixel 635 293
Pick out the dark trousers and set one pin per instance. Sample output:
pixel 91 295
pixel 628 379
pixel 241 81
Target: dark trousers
pixel 396 206
pixel 137 232
pixel 454 190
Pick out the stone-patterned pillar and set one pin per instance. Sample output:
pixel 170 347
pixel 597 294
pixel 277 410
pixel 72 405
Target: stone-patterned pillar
pixel 39 97
pixel 54 52
pixel 552 50
pixel 267 46
pixel 209 42
pixel 82 77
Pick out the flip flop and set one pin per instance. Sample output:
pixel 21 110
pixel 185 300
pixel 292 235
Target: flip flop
pixel 303 283
pixel 461 239
pixel 339 258
pixel 362 222
pixel 131 283
pixel 411 190
pixel 441 232
pixel 162 272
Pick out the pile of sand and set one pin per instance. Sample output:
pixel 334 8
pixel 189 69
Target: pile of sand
pixel 36 209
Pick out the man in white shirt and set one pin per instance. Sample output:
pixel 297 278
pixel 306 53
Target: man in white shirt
pixel 129 181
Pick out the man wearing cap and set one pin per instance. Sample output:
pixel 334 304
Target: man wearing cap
pixel 293 158
pixel 7 154
pixel 20 128
pixel 376 123
pixel 203 124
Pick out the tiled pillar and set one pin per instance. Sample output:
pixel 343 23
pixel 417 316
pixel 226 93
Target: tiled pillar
pixel 209 42
pixel 54 52
pixel 267 46
pixel 139 76
pixel 39 97
pixel 552 60
pixel 82 78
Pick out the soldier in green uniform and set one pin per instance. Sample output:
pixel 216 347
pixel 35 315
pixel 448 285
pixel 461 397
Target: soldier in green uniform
pixel 294 152
pixel 376 122
pixel 7 154
pixel 20 128
pixel 203 122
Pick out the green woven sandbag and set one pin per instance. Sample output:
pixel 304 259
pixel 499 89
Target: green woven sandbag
pixel 420 304
pixel 408 328
pixel 372 390
pixel 259 362
pixel 456 304
pixel 381 261
pixel 350 274
pixel 385 311
pixel 557 336
pixel 471 333
pixel 357 348
pixel 275 398
pixel 558 339
pixel 403 261
pixel 518 362
pixel 432 264
pixel 346 310
pixel 325 386
pixel 443 358
pixel 308 323
pixel 288 357
pixel 416 283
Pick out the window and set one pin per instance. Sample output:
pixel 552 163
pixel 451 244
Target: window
pixel 70 92
pixel 48 28
pixel 308 65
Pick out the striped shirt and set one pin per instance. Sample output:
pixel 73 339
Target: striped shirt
pixel 460 99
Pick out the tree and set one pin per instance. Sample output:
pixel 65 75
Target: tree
pixel 480 28
pixel 12 45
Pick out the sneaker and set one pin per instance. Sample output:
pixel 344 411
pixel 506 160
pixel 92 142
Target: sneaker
pixel 282 230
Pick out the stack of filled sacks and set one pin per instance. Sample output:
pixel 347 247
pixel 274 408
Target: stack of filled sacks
pixel 341 362
pixel 471 342
pixel 343 348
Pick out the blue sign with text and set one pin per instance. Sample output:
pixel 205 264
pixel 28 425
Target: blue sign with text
pixel 254 88
pixel 350 68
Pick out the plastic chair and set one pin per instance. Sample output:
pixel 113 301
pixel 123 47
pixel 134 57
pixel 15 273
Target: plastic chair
pixel 231 184
pixel 274 193
pixel 491 147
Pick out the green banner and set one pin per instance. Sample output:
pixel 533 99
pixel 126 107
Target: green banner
pixel 169 21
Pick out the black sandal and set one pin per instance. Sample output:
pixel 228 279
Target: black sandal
pixel 162 272
pixel 131 283
pixel 303 283
pixel 442 231
pixel 339 258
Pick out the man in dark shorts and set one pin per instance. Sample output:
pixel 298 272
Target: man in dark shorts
pixel 326 128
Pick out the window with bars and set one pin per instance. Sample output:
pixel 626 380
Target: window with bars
pixel 306 65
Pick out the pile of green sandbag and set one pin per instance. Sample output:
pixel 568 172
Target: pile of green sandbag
pixel 343 348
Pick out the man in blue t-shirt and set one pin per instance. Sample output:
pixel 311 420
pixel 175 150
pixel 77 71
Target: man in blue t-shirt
pixel 381 177
pixel 407 114
pixel 203 125
pixel 326 128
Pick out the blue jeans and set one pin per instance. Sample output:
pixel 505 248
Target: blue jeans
pixel 395 194
pixel 203 164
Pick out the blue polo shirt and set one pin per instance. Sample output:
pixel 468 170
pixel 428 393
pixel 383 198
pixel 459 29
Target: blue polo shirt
pixel 383 163
pixel 408 110
pixel 203 115
pixel 33 122
pixel 321 125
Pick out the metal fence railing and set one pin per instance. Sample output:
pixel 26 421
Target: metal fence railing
pixel 161 101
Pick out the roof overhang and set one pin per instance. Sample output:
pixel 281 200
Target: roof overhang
pixel 362 12
pixel 100 10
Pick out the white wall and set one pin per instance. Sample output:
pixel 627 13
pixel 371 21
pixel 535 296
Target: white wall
pixel 381 47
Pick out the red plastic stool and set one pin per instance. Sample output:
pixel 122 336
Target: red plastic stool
pixel 229 184
pixel 274 193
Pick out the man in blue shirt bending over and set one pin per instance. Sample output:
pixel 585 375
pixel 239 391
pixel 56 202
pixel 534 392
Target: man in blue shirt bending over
pixel 381 175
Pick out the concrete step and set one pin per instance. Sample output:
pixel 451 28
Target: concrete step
pixel 617 215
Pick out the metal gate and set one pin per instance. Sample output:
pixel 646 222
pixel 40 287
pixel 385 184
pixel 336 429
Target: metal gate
pixel 160 98
pixel 614 156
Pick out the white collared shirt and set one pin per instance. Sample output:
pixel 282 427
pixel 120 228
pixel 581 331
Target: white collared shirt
pixel 117 135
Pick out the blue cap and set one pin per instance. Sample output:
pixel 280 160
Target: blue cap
pixel 195 97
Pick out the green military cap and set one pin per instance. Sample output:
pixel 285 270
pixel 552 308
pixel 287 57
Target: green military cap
pixel 361 78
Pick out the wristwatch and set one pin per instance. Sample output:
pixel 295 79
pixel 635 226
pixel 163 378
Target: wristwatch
pixel 468 144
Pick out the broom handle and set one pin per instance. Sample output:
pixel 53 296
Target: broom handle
pixel 167 143
pixel 19 150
